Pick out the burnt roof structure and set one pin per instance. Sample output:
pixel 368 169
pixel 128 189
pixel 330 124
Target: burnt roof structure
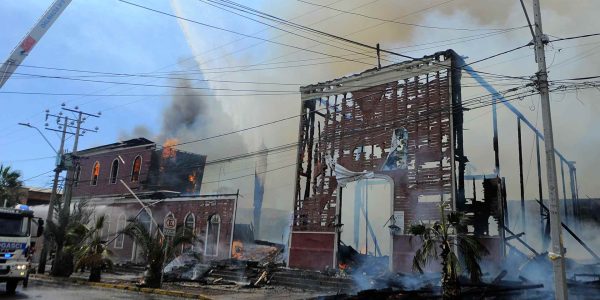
pixel 401 123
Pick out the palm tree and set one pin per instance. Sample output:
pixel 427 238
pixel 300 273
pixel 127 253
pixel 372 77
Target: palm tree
pixel 65 233
pixel 10 185
pixel 447 234
pixel 154 248
pixel 92 252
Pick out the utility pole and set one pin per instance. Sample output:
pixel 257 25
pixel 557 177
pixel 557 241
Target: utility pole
pixel 557 255
pixel 66 163
pixel 81 117
pixel 50 215
pixel 59 167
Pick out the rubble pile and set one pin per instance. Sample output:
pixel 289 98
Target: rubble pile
pixel 253 265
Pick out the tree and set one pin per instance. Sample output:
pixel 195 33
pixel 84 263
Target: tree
pixel 10 185
pixel 447 234
pixel 155 248
pixel 92 252
pixel 65 234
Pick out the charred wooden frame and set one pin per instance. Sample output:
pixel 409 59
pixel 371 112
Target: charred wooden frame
pixel 354 119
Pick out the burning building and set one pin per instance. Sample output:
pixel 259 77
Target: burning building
pixel 378 151
pixel 165 179
pixel 140 164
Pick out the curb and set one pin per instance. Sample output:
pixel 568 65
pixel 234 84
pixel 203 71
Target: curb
pixel 125 287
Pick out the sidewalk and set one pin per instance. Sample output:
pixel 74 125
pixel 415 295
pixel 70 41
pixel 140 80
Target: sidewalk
pixel 117 284
pixel 190 290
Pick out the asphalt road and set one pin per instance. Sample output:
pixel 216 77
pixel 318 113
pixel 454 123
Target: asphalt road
pixel 42 290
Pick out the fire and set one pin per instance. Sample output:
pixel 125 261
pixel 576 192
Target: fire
pixel 169 150
pixel 192 177
pixel 97 169
pixel 342 266
pixel 238 249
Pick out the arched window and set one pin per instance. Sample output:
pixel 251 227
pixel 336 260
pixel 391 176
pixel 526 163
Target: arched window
pixel 95 173
pixel 77 175
pixel 189 225
pixel 146 220
pixel 213 230
pixel 190 222
pixel 135 170
pixel 106 227
pixel 114 171
pixel 121 238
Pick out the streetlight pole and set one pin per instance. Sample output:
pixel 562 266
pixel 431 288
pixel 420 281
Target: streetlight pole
pixel 557 255
pixel 57 170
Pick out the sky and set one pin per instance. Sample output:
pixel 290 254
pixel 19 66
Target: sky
pixel 112 36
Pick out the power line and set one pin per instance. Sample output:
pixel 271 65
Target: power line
pixel 298 48
pixel 157 85
pixel 575 37
pixel 243 8
pixel 403 23
pixel 236 32
pixel 277 20
pixel 28 159
pixel 36 176
pixel 288 147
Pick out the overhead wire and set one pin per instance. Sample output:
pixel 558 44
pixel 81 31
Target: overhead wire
pixel 292 46
pixel 288 147
pixel 403 23
pixel 343 39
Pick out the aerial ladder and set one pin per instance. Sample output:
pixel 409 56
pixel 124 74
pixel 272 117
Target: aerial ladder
pixel 31 39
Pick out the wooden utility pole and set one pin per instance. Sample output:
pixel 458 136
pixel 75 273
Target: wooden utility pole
pixel 557 254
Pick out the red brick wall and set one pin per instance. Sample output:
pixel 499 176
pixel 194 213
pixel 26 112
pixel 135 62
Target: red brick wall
pixel 312 250
pixel 202 209
pixel 103 186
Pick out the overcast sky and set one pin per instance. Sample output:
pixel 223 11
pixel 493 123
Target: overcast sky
pixel 111 36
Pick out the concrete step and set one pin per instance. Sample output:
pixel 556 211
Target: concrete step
pixel 312 285
pixel 312 280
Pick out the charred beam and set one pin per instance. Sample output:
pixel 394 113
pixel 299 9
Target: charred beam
pixel 581 242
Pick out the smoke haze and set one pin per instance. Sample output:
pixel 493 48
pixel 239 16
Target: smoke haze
pixel 194 115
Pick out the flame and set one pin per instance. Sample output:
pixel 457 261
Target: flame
pixel 342 266
pixel 238 249
pixel 192 177
pixel 97 169
pixel 169 150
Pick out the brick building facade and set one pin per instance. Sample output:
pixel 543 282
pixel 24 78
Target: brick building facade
pixel 209 217
pixel 166 179
pixel 392 123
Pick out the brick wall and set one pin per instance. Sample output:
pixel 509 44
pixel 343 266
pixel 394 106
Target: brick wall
pixel 103 186
pixel 201 208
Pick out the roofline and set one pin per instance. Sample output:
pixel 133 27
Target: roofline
pixel 374 77
pixel 101 151
pixel 128 200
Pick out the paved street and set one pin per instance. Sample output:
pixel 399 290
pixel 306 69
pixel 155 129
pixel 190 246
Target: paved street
pixel 42 290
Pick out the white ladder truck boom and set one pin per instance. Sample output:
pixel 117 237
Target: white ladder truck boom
pixel 31 39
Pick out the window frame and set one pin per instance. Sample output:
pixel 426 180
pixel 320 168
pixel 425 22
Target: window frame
pixel 107 224
pixel 210 220
pixel 185 227
pixel 92 181
pixel 121 238
pixel 139 171
pixel 116 176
